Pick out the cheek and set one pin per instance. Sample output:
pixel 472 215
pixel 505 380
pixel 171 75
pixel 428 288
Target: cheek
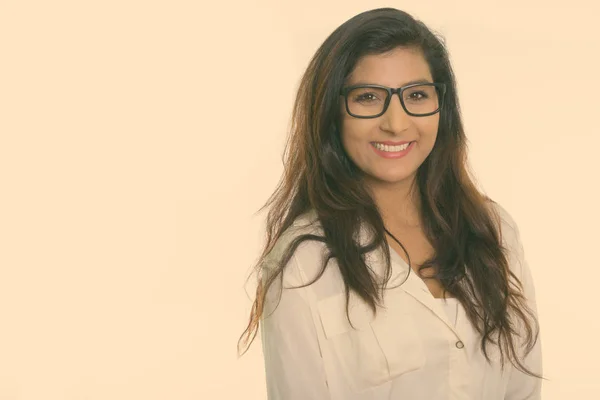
pixel 356 129
pixel 355 136
pixel 429 128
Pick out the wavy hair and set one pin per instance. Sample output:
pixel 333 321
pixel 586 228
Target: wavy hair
pixel 470 259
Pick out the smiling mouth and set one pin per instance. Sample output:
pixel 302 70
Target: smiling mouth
pixel 391 149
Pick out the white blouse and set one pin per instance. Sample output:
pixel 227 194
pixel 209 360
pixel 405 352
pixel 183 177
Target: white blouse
pixel 417 347
pixel 451 305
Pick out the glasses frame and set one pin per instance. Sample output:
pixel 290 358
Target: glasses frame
pixel 441 89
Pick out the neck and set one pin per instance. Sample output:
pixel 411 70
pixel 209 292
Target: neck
pixel 399 203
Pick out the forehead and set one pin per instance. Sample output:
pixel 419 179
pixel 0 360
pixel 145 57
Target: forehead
pixel 394 68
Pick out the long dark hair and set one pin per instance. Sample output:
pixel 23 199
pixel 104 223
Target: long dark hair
pixel 470 259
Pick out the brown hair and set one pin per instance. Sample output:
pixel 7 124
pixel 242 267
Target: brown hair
pixel 470 259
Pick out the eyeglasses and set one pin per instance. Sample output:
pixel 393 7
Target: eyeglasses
pixel 372 101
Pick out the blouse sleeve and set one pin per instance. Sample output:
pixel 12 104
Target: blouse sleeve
pixel 520 385
pixel 293 363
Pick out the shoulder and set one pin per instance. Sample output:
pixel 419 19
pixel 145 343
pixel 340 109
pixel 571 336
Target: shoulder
pixel 305 257
pixel 510 237
pixel 305 224
pixel 505 222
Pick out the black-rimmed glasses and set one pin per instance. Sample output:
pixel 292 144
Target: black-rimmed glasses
pixel 372 101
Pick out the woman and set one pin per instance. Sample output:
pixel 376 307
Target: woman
pixel 386 273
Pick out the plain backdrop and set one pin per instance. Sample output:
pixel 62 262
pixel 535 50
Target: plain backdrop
pixel 138 138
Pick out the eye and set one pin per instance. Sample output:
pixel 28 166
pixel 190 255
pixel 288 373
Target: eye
pixel 366 97
pixel 418 95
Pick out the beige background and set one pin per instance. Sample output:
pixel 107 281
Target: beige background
pixel 139 137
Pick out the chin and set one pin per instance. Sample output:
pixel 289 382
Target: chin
pixel 394 179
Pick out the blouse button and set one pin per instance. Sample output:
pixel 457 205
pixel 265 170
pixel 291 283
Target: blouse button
pixel 460 344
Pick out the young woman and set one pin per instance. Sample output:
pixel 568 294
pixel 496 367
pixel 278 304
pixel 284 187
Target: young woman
pixel 386 273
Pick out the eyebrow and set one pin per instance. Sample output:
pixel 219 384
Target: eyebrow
pixel 405 83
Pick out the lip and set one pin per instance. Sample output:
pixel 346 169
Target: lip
pixel 395 154
pixel 390 143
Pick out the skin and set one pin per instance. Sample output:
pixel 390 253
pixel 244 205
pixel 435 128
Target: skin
pixel 390 179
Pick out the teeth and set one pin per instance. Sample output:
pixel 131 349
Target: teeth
pixel 385 147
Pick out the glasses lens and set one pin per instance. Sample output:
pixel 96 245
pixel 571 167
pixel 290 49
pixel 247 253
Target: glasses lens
pixel 366 101
pixel 422 99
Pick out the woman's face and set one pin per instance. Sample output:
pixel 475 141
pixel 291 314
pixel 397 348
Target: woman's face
pixel 396 68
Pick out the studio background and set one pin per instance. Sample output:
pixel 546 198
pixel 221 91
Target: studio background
pixel 138 138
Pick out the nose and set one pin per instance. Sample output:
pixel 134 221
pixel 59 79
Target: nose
pixel 395 119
